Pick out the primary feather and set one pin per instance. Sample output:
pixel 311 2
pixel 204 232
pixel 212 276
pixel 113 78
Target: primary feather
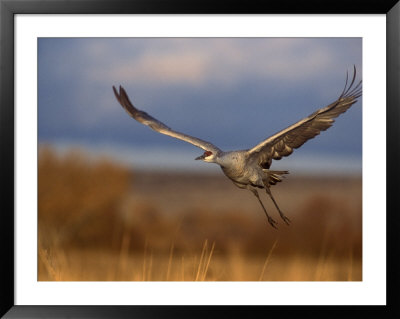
pixel 284 142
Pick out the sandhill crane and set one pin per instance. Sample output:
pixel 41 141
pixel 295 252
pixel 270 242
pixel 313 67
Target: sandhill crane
pixel 250 168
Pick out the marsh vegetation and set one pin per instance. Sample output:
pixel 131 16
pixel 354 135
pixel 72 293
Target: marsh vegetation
pixel 100 221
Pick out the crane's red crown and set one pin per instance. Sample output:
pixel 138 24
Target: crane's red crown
pixel 207 153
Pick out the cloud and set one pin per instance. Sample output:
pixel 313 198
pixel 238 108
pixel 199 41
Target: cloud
pixel 198 62
pixel 165 68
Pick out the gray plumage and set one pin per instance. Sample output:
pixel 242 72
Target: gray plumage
pixel 250 169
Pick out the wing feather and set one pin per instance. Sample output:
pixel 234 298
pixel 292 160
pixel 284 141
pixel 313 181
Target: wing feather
pixel 158 126
pixel 284 142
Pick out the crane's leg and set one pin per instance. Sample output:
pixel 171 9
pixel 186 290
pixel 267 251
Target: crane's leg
pixel 270 220
pixel 285 219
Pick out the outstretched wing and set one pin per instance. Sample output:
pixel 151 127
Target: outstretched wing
pixel 158 126
pixel 283 143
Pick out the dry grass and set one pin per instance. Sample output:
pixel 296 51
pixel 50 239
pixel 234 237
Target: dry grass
pixel 91 265
pixel 99 221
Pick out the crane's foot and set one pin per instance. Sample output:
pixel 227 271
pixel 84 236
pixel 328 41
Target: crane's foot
pixel 272 222
pixel 286 219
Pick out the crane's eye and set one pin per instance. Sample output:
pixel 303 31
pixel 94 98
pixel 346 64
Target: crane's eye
pixel 207 153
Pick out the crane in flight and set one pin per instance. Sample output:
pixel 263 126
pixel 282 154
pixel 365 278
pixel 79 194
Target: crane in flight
pixel 250 168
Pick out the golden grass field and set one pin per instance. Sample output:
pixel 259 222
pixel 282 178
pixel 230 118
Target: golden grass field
pixel 100 221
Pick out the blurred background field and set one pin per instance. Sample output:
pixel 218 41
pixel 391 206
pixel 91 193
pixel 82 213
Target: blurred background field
pixel 99 220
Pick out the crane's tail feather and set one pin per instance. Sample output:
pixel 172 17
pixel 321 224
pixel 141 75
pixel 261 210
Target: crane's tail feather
pixel 273 177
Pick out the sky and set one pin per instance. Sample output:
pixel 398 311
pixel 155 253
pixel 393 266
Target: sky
pixel 233 92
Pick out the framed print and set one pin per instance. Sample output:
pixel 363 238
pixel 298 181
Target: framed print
pixel 108 218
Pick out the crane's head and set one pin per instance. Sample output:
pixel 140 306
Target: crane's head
pixel 208 156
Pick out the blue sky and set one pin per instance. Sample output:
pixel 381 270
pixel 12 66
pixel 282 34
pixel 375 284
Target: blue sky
pixel 233 92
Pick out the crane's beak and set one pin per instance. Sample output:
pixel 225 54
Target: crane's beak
pixel 200 157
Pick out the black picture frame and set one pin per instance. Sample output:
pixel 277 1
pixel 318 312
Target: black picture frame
pixel 8 10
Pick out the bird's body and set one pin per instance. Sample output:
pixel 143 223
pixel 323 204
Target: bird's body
pixel 233 164
pixel 238 167
pixel 250 169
